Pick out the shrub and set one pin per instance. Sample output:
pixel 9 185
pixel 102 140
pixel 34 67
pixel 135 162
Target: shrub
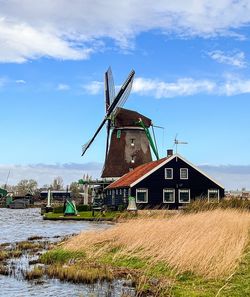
pixel 204 205
pixel 83 207
pixel 58 209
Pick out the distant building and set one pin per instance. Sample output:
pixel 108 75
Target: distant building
pixel 240 194
pixel 56 195
pixel 170 182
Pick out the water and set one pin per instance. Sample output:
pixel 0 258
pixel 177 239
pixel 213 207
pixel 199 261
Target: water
pixel 17 225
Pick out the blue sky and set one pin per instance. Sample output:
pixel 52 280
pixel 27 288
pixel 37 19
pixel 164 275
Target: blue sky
pixel 191 60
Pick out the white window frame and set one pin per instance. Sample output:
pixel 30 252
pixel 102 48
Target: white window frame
pixel 180 173
pixel 212 191
pixel 168 190
pixel 142 190
pixel 183 191
pixel 166 173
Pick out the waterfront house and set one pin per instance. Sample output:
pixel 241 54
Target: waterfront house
pixel 170 182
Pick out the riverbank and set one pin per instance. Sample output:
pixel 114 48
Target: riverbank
pixel 203 254
pixel 83 216
pixel 18 227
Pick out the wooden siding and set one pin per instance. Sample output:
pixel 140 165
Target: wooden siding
pixel 197 183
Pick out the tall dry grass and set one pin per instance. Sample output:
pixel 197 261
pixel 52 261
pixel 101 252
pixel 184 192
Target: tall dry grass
pixel 208 243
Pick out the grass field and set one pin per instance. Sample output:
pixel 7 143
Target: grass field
pixel 201 254
pixel 83 215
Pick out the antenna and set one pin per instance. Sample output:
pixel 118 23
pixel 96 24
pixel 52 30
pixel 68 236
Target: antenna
pixel 177 142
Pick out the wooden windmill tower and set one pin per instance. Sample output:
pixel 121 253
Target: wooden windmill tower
pixel 130 141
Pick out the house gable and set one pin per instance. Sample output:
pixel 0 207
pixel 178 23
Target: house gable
pixel 197 185
pixel 168 160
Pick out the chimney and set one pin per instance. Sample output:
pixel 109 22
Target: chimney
pixel 169 153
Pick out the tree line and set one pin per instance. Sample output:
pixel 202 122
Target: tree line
pixel 30 186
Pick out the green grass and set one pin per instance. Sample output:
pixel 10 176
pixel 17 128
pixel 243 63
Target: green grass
pixel 60 256
pixel 84 215
pixel 158 278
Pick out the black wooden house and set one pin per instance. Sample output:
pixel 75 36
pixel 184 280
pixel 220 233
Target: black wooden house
pixel 170 182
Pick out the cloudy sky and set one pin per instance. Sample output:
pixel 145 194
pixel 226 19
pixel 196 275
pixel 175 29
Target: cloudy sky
pixel 191 60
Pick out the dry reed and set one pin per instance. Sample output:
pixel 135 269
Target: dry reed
pixel 209 243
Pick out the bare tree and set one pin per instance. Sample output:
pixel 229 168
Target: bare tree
pixel 26 186
pixel 74 188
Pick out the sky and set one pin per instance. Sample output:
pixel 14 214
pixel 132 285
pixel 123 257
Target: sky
pixel 191 60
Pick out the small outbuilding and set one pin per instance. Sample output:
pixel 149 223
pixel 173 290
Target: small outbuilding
pixel 170 182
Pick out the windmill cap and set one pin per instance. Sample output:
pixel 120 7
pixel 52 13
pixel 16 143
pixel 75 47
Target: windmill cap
pixel 126 117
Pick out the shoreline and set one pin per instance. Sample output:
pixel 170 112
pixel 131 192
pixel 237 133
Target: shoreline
pixel 107 255
pixel 79 219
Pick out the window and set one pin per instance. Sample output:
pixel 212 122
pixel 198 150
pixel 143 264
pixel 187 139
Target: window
pixel 141 195
pixel 168 195
pixel 132 142
pixel 168 173
pixel 213 195
pixel 120 191
pixel 116 191
pixel 183 173
pixel 184 196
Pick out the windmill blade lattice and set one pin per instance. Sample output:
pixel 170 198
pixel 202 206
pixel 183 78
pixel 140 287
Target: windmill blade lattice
pixel 124 97
pixel 112 105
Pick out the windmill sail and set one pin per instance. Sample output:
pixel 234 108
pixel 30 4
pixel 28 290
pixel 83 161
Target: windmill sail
pixel 109 86
pixel 109 98
pixel 124 97
pixel 119 97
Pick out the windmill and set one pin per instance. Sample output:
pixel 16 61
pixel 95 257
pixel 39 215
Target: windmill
pixel 128 139
pixel 177 142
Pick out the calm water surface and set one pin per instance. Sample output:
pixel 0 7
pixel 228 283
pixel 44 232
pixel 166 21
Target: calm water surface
pixel 19 224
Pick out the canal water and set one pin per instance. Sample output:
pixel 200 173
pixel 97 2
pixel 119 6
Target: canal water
pixel 19 224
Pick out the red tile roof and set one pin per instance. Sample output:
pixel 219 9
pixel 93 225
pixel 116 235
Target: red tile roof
pixel 127 179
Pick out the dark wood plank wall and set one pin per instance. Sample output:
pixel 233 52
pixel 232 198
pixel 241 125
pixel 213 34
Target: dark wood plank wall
pixel 156 182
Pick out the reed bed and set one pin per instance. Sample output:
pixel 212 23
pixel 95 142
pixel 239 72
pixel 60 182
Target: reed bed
pixel 209 243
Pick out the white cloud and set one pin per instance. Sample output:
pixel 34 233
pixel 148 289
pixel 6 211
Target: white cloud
pixel 20 81
pixel 20 42
pixel 182 87
pixel 235 59
pixel 231 176
pixel 45 173
pixel 93 88
pixel 63 87
pixel 235 87
pixel 65 29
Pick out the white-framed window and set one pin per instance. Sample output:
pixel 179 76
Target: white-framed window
pixel 168 173
pixel 168 195
pixel 184 196
pixel 183 173
pixel 213 195
pixel 141 195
